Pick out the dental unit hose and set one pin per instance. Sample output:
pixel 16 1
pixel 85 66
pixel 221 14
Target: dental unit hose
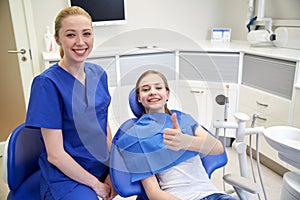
pixel 254 117
pixel 223 100
pixel 226 107
pixel 226 104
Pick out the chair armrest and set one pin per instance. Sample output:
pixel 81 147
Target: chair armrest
pixel 241 183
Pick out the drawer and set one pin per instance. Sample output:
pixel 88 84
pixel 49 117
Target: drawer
pixel 263 119
pixel 264 103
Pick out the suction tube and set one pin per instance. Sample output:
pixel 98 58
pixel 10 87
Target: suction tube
pixel 254 117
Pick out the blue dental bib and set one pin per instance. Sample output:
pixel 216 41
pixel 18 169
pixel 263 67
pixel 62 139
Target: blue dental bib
pixel 143 149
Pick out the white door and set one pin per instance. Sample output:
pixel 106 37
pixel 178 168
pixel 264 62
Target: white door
pixel 12 104
pixel 22 22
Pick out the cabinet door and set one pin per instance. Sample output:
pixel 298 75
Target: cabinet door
pixel 296 111
pixel 216 112
pixel 193 101
pixel 109 64
pixel 271 75
pixel 271 108
pixel 132 66
pixel 209 67
pixel 119 110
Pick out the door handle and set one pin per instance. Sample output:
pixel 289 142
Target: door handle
pixel 22 51
pixel 197 91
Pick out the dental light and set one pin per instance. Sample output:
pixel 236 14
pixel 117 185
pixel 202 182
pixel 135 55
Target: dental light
pixel 260 36
pixel 260 30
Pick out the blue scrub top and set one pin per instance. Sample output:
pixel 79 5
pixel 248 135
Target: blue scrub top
pixel 59 101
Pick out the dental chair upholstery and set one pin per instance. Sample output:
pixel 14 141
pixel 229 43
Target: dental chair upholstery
pixel 20 163
pixel 120 176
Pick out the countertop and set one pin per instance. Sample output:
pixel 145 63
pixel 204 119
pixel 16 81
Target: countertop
pixel 205 46
pixel 200 46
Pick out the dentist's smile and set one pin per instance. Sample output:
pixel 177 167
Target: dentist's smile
pixel 80 52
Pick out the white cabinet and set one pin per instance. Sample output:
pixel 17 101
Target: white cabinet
pixel 274 76
pixel 221 67
pixel 215 111
pixel 272 111
pixel 106 62
pixel 296 111
pixel 193 100
pixel 200 102
pixel 109 65
pixel 204 76
pixel 132 66
pixel 267 90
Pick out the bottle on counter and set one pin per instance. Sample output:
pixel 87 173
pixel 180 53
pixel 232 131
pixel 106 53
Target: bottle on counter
pixel 49 40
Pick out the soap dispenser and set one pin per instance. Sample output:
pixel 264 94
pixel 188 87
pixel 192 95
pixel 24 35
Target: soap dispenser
pixel 49 40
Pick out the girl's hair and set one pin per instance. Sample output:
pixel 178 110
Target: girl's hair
pixel 146 73
pixel 70 11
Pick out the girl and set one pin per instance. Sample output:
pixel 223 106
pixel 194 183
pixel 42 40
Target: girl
pixel 169 166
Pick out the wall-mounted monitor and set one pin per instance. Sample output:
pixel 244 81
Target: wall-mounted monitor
pixel 103 12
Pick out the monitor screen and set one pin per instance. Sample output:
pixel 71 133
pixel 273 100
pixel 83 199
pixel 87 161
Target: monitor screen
pixel 103 12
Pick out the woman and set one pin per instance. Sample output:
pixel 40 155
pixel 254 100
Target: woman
pixel 162 149
pixel 69 103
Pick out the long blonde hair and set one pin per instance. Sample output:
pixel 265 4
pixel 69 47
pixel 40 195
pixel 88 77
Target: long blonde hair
pixel 137 92
pixel 70 11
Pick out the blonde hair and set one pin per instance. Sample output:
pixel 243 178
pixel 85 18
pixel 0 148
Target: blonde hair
pixel 146 73
pixel 70 11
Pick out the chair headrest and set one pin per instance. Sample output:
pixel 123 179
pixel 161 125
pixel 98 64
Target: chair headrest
pixel 136 107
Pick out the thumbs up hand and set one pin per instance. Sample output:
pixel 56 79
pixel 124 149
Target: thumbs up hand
pixel 174 139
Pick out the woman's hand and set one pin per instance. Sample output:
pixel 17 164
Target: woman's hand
pixel 174 138
pixel 102 190
pixel 113 192
pixel 62 160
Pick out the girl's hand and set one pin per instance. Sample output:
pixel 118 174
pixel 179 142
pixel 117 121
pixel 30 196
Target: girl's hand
pixel 174 138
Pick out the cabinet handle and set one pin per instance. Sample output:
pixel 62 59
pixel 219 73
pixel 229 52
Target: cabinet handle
pixel 262 104
pixel 197 91
pixel 262 118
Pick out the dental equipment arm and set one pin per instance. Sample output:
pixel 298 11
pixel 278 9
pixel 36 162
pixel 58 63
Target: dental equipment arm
pixel 240 183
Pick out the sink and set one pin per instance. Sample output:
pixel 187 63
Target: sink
pixel 285 140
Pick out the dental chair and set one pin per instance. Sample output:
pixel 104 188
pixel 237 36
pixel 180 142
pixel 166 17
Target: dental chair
pixel 20 163
pixel 119 174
